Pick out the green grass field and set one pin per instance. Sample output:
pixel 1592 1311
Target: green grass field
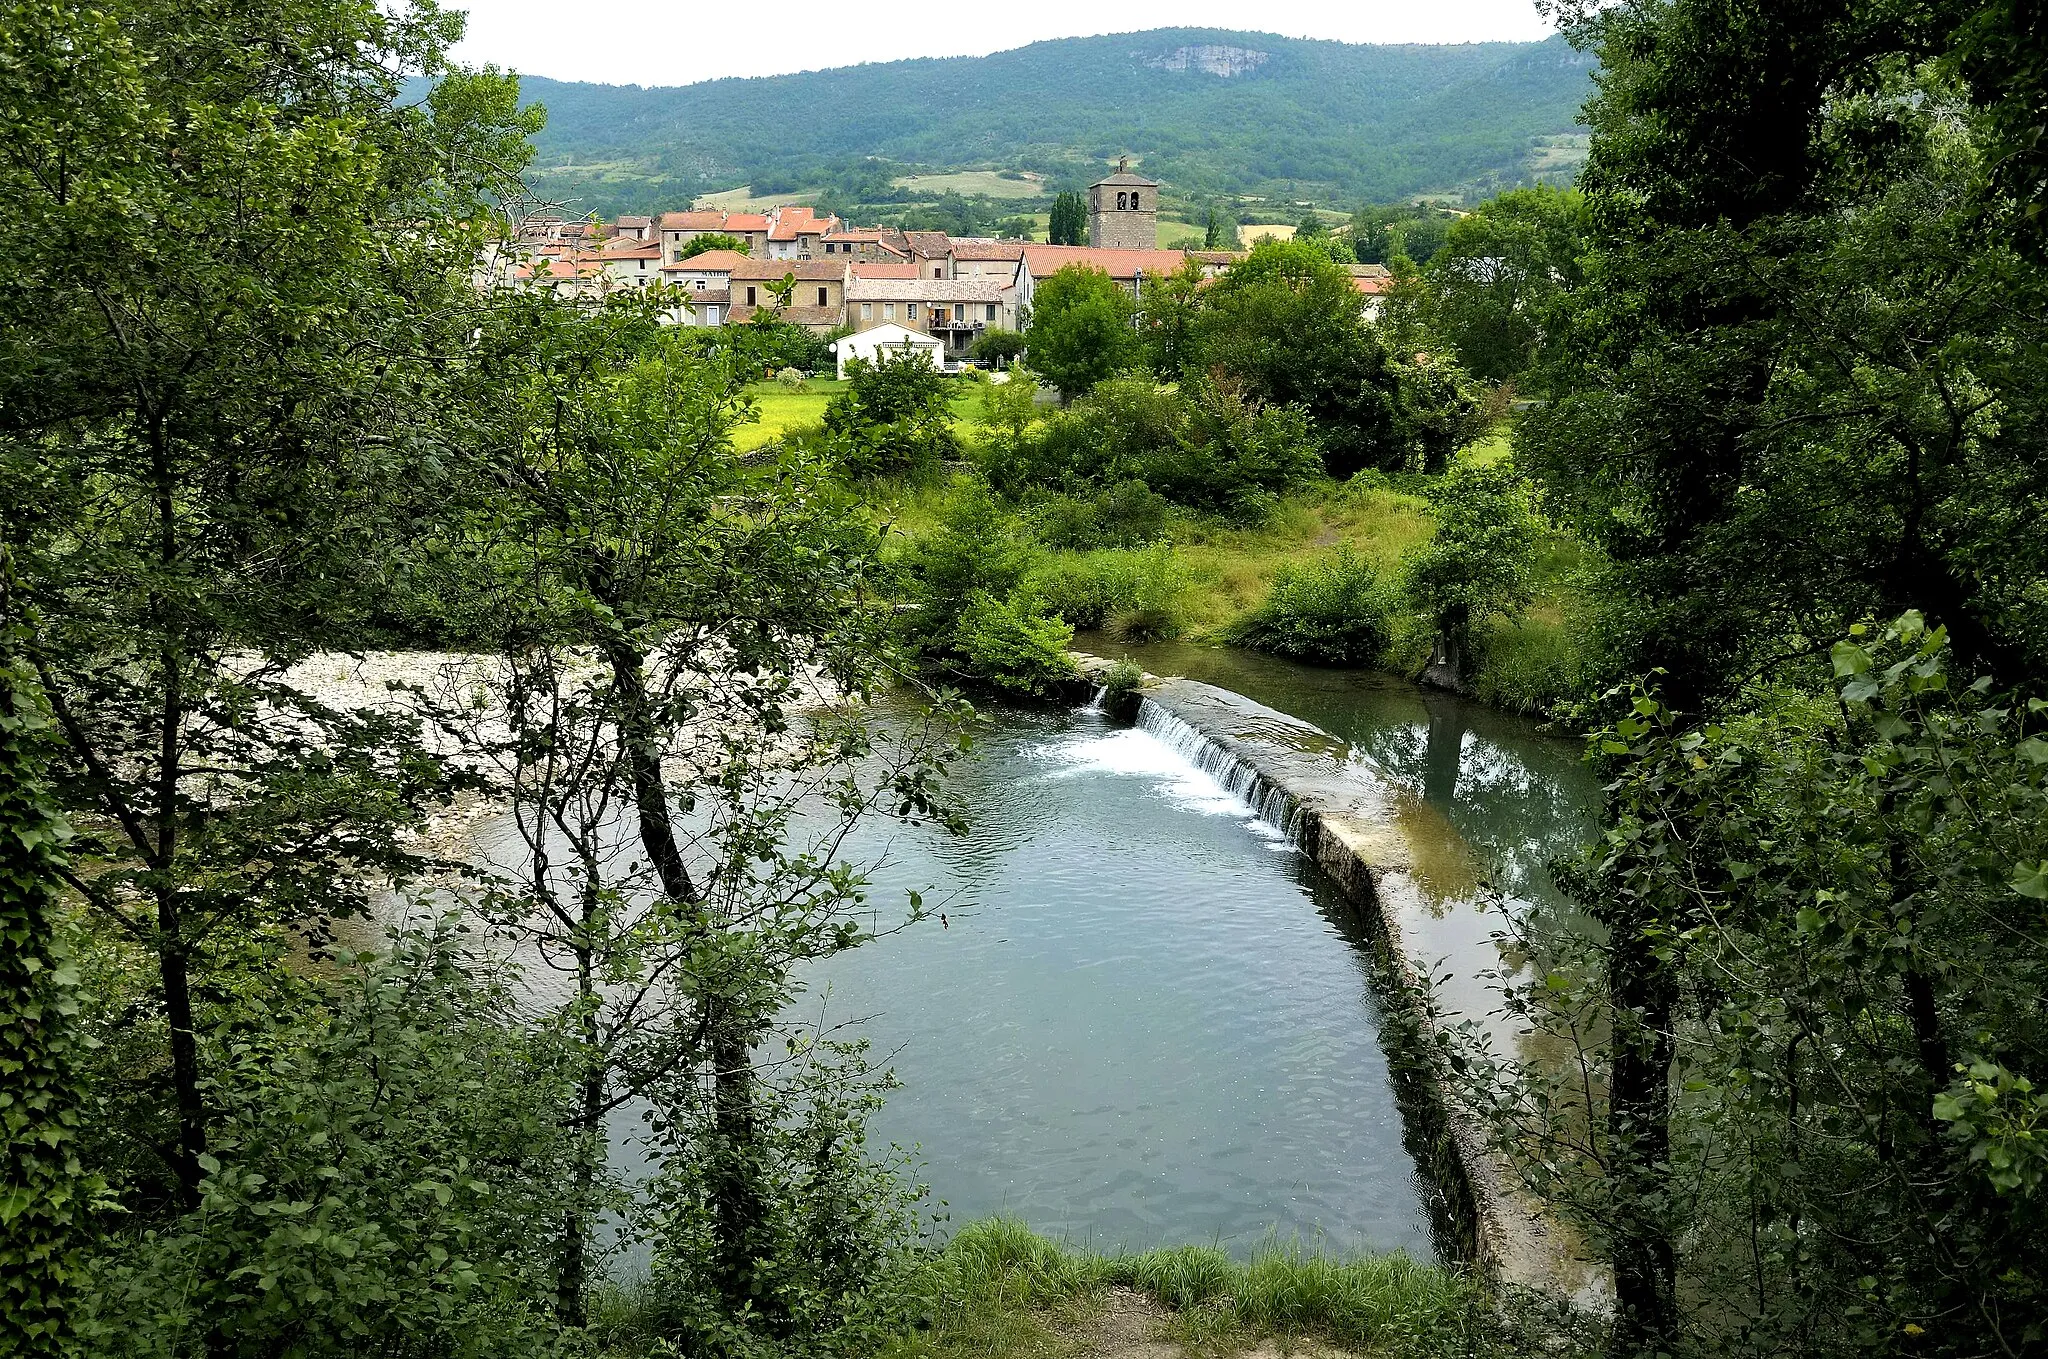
pixel 743 199
pixel 783 409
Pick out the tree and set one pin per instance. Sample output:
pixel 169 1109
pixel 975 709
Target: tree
pixel 1786 397
pixel 1069 225
pixel 894 415
pixel 1169 315
pixel 1502 267
pixel 671 629
pixel 1796 1110
pixel 1479 562
pixel 998 346
pixel 206 451
pixel 1081 329
pixel 41 1180
pixel 711 240
pixel 1287 323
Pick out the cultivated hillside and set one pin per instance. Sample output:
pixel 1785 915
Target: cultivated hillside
pixel 1205 110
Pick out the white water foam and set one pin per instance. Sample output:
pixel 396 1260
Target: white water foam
pixel 1185 768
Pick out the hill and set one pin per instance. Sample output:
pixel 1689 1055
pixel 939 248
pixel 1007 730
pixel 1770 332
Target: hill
pixel 1207 111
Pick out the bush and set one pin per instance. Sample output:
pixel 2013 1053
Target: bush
pixel 1128 514
pixel 893 417
pixel 1006 643
pixel 838 1237
pixel 790 379
pixel 999 347
pixel 1140 596
pixel 1122 678
pixel 1331 613
pixel 384 1162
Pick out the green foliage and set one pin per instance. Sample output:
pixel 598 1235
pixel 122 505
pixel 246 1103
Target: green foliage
pixel 998 347
pixel 382 1153
pixel 1069 225
pixel 1333 612
pixel 44 1190
pixel 709 241
pixel 1122 678
pixel 1287 324
pixel 177 417
pixel 1481 560
pixel 1080 331
pixel 1791 395
pixel 1168 317
pixel 840 1233
pixel 893 417
pixel 1440 410
pixel 1010 645
pixel 1204 445
pixel 1819 962
pixel 1128 514
pixel 1502 268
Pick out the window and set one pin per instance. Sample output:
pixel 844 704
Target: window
pixel 867 311
pixel 710 316
pixel 1122 201
pixel 991 311
pixel 678 256
pixel 888 311
pixel 699 285
pixel 912 311
pixel 821 297
pixel 959 311
pixel 750 297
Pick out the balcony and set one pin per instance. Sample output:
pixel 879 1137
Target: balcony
pixel 947 322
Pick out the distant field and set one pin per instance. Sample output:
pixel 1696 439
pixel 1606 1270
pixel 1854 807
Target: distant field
pixel 985 182
pixel 743 199
pixel 1554 154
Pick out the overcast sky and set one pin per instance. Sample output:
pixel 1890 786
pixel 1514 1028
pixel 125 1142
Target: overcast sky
pixel 628 43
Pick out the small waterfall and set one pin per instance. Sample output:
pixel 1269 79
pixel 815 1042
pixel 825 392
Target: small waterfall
pixel 1094 703
pixel 1272 804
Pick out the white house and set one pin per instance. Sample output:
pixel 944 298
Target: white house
pixel 896 339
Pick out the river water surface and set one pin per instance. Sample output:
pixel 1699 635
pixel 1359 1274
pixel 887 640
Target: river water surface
pixel 1147 1019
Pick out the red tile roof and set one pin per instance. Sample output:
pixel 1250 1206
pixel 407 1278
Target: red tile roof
pixel 883 269
pixel 1120 264
pixel 692 221
pixel 989 250
pixel 746 221
pixel 709 262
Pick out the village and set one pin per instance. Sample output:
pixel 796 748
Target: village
pixel 875 286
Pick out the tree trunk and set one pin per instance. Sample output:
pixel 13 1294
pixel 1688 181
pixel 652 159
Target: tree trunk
pixel 735 1195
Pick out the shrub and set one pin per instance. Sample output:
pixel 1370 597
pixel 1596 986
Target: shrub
pixel 1157 610
pixel 997 346
pixel 1122 678
pixel 1128 514
pixel 893 416
pixel 1006 643
pixel 790 379
pixel 384 1161
pixel 1333 613
pixel 1085 590
pixel 1480 562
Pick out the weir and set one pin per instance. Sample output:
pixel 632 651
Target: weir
pixel 1360 826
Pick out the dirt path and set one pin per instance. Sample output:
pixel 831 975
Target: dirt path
pixel 1133 1326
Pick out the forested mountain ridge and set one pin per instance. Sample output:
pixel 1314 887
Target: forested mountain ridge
pixel 1205 110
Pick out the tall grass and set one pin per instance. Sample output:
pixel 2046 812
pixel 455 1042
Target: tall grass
pixel 1003 1289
